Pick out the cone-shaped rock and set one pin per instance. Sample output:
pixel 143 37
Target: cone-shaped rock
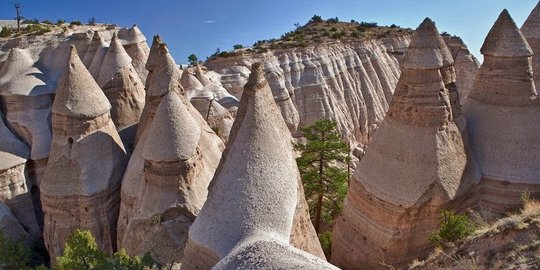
pixel 95 45
pixel 27 99
pixel 125 91
pixel 531 31
pixel 163 79
pixel 190 82
pixel 415 165
pixel 253 196
pixel 100 46
pixel 179 164
pixel 201 77
pixel 505 40
pixel 14 190
pixel 153 54
pixel 134 42
pixel 503 113
pixel 87 160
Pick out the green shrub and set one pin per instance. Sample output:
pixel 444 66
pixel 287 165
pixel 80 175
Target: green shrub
pixel 326 243
pixel 75 23
pixel 6 32
pixel 60 22
pixel 238 46
pixel 316 19
pixel 47 22
pixel 452 227
pixel 81 252
pixel 13 255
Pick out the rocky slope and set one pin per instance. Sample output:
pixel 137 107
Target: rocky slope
pixel 350 79
pixel 509 243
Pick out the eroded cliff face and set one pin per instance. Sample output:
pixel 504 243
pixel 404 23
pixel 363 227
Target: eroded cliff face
pixel 350 82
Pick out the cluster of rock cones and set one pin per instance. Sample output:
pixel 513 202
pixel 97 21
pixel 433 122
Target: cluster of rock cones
pixel 132 148
pixel 428 155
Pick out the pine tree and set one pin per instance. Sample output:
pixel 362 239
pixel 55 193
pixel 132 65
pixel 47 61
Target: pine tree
pixel 325 182
pixel 193 60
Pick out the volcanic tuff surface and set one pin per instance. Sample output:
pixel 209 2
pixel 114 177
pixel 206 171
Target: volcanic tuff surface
pixel 416 164
pixel 504 99
pixel 261 187
pixel 350 80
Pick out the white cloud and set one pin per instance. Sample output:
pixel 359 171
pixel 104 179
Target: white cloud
pixel 208 21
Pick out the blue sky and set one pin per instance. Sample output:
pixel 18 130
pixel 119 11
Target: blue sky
pixel 200 27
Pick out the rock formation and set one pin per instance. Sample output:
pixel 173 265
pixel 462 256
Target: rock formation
pixel 125 91
pixel 87 159
pixel 180 161
pixel 531 31
pixel 253 197
pixel 214 103
pixel 164 77
pixel 100 47
pixel 14 191
pixel 93 48
pixel 465 64
pixel 504 116
pixel 135 44
pixel 350 82
pixel 416 164
pixel 26 99
pixel 11 227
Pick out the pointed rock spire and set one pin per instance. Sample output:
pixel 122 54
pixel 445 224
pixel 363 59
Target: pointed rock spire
pixel 190 82
pixel 135 44
pixel 167 75
pixel 420 97
pixel 257 177
pixel 505 39
pixel 97 59
pixel 115 59
pixel 77 94
pixel 95 45
pixel 427 49
pixel 505 44
pixel 531 27
pixel 416 164
pixel 201 77
pixel 503 107
pixel 131 35
pixel 86 163
pixel 154 52
pixel 174 132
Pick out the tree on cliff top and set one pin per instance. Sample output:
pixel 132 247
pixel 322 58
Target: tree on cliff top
pixel 193 60
pixel 325 182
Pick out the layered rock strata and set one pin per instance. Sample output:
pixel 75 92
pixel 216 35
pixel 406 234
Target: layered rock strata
pixel 86 163
pixel 179 163
pixel 416 164
pixel 255 212
pixel 350 82
pixel 125 91
pixel 504 116
pixel 14 191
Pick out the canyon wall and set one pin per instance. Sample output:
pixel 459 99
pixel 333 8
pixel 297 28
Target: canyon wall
pixel 351 83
